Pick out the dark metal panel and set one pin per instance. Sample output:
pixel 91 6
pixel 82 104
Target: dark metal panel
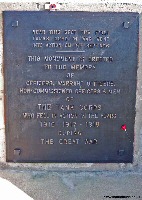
pixel 70 86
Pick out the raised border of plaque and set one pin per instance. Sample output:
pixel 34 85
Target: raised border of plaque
pixel 70 86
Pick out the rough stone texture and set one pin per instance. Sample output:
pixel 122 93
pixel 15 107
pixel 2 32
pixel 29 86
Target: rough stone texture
pixel 75 186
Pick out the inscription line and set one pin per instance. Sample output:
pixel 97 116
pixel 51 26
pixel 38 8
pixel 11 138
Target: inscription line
pixel 70 51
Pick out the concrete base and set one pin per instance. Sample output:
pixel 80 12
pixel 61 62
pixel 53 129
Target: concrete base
pixel 76 186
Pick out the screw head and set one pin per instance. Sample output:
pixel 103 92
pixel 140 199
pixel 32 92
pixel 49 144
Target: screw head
pixel 126 24
pixel 15 24
pixel 17 152
pixel 121 152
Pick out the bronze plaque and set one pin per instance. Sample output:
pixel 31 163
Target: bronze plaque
pixel 70 86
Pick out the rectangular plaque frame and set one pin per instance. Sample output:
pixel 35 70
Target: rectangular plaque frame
pixel 70 86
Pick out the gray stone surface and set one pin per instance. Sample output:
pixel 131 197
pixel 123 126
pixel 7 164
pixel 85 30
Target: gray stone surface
pixel 75 186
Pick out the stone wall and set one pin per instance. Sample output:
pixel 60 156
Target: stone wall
pixel 45 181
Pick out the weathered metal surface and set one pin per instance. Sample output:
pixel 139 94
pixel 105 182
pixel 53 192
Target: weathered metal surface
pixel 70 86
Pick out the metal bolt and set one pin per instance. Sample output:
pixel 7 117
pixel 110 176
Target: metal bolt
pixel 121 152
pixel 15 24
pixel 126 24
pixel 17 152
